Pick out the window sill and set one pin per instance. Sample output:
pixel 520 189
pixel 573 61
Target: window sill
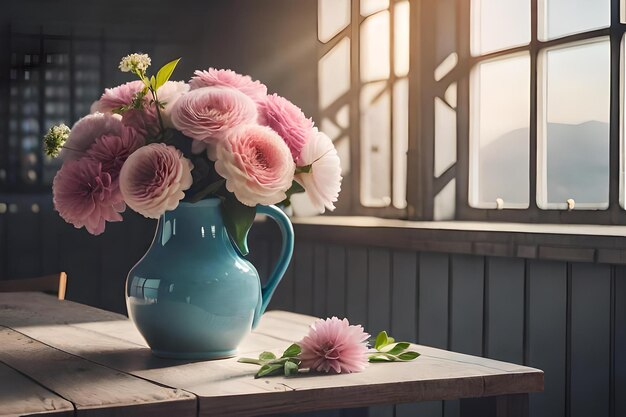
pixel 574 243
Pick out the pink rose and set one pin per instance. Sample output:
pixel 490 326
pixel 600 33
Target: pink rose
pixel 153 179
pixel 227 78
pixel 323 182
pixel 208 113
pixel 86 196
pixel 334 345
pixel 85 132
pixel 287 120
pixel 113 150
pixel 256 164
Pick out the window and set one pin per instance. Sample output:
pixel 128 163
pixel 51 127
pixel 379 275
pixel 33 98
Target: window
pixel 363 93
pixel 52 79
pixel 510 111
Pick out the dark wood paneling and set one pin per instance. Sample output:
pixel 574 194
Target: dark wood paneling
pixel 404 296
pixel 284 297
pixel 23 243
pixel 433 300
pixel 336 281
pixel 590 340
pixel 320 270
pixel 303 258
pixel 51 223
pixel 113 274
pixel 80 258
pixel 466 320
pixel 379 290
pixel 619 349
pixel 356 296
pixel 504 289
pixel 404 311
pixel 547 299
pixel 260 257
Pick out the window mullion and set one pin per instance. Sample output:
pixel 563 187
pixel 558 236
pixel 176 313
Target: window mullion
pixel 533 140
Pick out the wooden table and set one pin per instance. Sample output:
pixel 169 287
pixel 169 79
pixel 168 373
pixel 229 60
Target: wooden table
pixel 62 358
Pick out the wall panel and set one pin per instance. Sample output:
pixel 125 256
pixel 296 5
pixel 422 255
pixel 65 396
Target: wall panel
pixel 504 290
pixel 590 340
pixel 547 325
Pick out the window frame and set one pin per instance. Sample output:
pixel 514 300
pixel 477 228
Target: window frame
pixel 424 122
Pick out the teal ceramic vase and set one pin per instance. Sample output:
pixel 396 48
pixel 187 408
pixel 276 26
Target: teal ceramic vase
pixel 192 295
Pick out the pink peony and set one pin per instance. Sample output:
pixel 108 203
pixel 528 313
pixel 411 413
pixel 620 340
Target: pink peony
pixel 86 196
pixel 144 120
pixel 334 344
pixel 85 132
pixel 323 182
pixel 227 78
pixel 209 113
pixel 116 97
pixel 113 150
pixel 256 164
pixel 153 179
pixel 287 120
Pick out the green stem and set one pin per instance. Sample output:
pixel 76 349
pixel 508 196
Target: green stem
pixel 158 109
pixel 252 361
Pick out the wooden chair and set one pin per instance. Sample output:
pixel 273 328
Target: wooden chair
pixel 55 283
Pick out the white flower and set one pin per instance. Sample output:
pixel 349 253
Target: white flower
pixel 168 94
pixel 55 139
pixel 323 182
pixel 135 63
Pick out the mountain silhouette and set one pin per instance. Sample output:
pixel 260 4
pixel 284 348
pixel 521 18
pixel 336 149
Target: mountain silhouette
pixel 577 165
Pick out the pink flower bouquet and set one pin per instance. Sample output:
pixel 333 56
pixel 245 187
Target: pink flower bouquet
pixel 151 143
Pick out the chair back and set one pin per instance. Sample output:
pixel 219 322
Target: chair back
pixel 55 283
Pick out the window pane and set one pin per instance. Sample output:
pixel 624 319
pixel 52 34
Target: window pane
pixel 401 38
pixel 332 17
pixel 499 24
pixel 564 17
pixel 375 145
pixel 334 73
pixel 375 47
pixel 574 130
pixel 445 202
pixel 445 137
pixel 499 133
pixel 372 6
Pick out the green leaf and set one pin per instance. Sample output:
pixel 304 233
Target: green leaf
pixel 381 340
pixel 267 356
pixel 397 348
pixel 292 351
pixel 408 356
pixel 290 368
pixel 294 189
pixel 390 339
pixel 238 220
pixel 267 370
pixel 380 358
pixel 165 73
pixel 153 83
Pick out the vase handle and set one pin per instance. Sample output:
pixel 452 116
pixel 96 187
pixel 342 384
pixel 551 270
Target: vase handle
pixel 286 251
